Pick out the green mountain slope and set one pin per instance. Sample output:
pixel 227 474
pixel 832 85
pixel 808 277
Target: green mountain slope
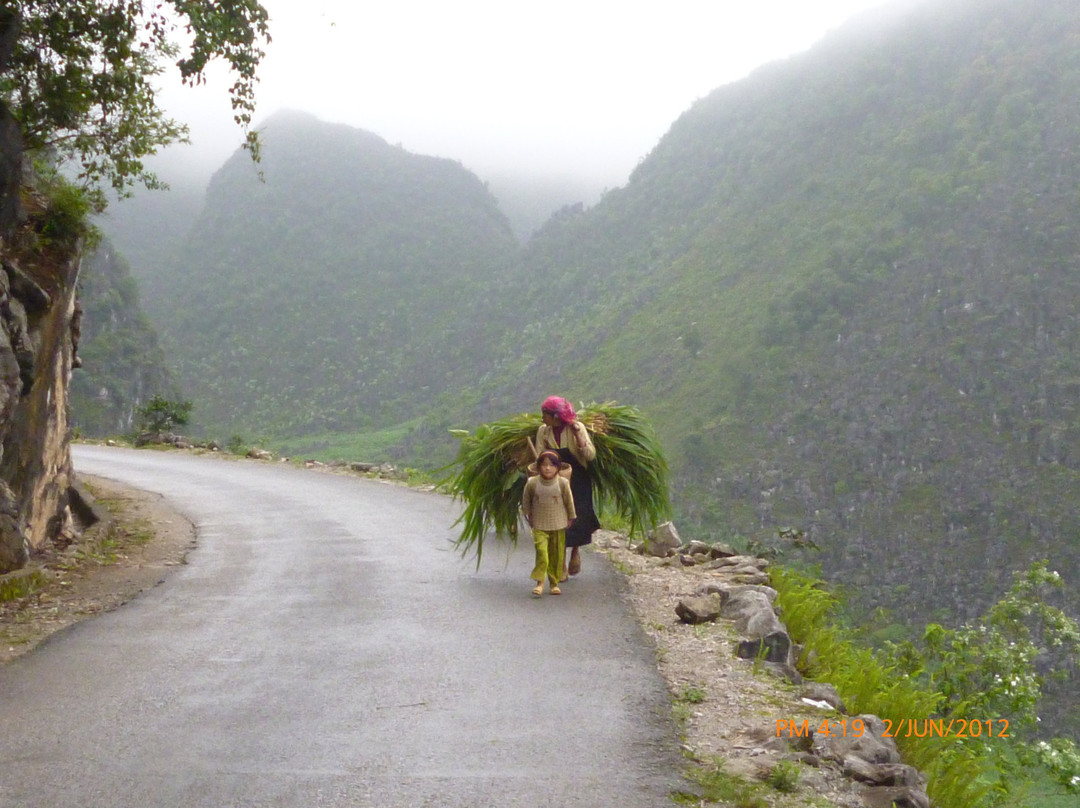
pixel 340 291
pixel 123 365
pixel 845 289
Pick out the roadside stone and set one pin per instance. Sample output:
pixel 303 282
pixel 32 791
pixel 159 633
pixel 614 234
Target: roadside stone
pixel 663 541
pixel 740 561
pixel 695 547
pixel 750 578
pixel 774 648
pixel 726 589
pixel 883 774
pixel 823 692
pixel 873 745
pixel 694 610
pixel 721 550
pixel 895 797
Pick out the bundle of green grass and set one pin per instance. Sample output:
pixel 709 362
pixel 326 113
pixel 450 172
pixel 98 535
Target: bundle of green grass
pixel 629 474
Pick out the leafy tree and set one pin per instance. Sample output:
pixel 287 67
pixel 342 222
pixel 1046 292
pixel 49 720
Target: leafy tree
pixel 80 78
pixel 994 669
pixel 161 415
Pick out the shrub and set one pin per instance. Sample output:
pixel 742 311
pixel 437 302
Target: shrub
pixel 161 415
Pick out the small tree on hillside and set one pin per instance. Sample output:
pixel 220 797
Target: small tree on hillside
pixel 161 415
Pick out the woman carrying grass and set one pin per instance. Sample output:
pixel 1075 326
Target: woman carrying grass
pixel 611 447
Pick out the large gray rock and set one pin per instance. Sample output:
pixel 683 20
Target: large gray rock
pixel 774 648
pixel 663 541
pixel 872 745
pixel 895 797
pixel 37 354
pixel 701 609
pixel 823 692
pixel 883 774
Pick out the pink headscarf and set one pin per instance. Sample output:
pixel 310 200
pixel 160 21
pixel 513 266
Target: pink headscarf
pixel 560 408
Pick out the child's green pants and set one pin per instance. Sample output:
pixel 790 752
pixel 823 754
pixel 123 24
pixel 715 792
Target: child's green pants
pixel 550 548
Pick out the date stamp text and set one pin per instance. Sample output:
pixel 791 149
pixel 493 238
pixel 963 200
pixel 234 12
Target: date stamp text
pixel 901 728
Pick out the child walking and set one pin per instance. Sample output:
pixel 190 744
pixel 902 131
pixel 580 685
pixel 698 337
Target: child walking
pixel 548 506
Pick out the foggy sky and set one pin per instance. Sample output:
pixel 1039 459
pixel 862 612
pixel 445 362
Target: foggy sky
pixel 553 89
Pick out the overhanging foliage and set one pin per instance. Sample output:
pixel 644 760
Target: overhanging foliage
pixel 80 79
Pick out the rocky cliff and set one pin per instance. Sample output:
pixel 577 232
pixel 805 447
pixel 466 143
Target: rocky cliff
pixel 38 337
pixel 37 351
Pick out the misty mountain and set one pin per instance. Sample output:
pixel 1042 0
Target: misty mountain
pixel 149 227
pixel 529 201
pixel 845 288
pixel 123 365
pixel 336 285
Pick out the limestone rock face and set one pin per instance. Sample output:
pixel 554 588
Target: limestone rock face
pixel 37 352
pixel 36 355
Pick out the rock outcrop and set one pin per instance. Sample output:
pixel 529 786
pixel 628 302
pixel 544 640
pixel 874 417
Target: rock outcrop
pixel 37 304
pixel 38 326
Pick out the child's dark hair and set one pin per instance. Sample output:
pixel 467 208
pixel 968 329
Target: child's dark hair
pixel 548 455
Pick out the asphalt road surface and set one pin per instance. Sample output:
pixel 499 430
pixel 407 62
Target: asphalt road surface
pixel 325 645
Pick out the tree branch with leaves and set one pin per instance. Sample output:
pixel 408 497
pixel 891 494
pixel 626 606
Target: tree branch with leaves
pixel 80 81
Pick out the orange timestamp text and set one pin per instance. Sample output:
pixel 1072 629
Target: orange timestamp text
pixel 901 728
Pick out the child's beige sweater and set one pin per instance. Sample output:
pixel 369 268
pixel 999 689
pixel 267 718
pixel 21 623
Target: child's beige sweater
pixel 548 504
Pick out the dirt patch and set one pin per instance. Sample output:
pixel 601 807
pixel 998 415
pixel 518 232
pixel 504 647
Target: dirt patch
pixel 108 565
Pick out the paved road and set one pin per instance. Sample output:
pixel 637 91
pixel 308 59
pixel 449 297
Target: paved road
pixel 325 646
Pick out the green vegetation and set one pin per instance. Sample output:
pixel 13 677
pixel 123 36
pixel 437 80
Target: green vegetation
pixel 82 76
pixel 784 776
pixel 375 446
pixel 160 414
pixel 981 675
pixel 20 585
pixel 692 694
pixel 718 787
pixel 122 361
pixel 68 208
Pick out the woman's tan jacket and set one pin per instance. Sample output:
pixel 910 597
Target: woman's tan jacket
pixel 545 439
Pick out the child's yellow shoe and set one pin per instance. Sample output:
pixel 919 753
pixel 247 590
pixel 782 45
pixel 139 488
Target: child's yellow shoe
pixel 538 590
pixel 555 590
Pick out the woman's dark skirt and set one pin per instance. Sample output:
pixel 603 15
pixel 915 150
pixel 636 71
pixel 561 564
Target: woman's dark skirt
pixel 581 487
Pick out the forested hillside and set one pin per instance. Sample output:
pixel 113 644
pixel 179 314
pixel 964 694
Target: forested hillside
pixel 846 290
pixel 122 364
